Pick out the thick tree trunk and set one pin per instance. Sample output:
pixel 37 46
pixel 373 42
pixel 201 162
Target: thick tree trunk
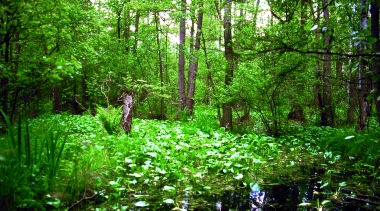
pixel 327 113
pixel 194 64
pixel 226 120
pixel 181 61
pixel 126 120
pixel 375 6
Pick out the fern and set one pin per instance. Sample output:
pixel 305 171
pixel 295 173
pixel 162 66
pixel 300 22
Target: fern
pixel 110 118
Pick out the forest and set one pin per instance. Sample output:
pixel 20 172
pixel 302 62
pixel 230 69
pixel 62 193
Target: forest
pixel 189 105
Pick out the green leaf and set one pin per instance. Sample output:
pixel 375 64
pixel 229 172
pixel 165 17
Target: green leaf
pixel 153 154
pixel 327 203
pixel 238 176
pixel 308 26
pixel 168 188
pixel 305 204
pixel 141 204
pixel 349 137
pixel 371 40
pixel 314 27
pixel 169 201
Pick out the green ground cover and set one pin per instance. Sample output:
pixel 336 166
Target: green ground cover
pixel 74 162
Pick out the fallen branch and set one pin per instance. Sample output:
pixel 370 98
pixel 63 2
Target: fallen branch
pixel 83 199
pixel 362 200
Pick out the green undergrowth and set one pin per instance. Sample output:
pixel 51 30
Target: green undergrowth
pixel 163 163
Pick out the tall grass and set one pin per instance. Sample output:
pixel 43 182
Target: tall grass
pixel 22 172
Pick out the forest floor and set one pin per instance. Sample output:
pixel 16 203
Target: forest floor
pixel 188 165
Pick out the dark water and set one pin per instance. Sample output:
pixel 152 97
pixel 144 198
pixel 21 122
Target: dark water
pixel 275 196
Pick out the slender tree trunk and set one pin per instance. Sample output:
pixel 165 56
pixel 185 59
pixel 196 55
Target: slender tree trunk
pixel 4 80
pixel 137 20
pixel 352 92
pixel 126 29
pixel 161 63
pixel 181 61
pixel 375 6
pixel 194 64
pixel 229 55
pixel 327 114
pixel 364 104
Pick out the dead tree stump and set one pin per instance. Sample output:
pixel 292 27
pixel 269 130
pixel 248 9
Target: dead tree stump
pixel 126 119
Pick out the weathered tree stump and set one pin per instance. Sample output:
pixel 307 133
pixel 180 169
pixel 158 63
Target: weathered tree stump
pixel 126 119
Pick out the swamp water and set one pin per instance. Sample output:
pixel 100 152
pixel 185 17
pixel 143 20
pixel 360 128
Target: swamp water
pixel 310 192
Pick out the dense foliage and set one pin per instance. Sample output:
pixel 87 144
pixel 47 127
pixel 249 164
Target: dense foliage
pixel 228 96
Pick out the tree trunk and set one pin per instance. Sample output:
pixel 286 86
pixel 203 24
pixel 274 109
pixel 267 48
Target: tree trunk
pixel 137 20
pixel 352 97
pixel 126 120
pixel 194 64
pixel 56 100
pixel 161 63
pixel 226 120
pixel 364 104
pixel 376 48
pixel 4 80
pixel 181 61
pixel 327 113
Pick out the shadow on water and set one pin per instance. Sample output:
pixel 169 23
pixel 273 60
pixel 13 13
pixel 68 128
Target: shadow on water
pixel 309 193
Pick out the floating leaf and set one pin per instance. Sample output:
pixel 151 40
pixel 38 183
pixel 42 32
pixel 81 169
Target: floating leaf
pixel 141 204
pixel 254 187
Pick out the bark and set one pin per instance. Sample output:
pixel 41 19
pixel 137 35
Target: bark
pixel 194 64
pixel 56 100
pixel 226 120
pixel 327 113
pixel 364 104
pixel 126 120
pixel 126 30
pixel 137 20
pixel 4 80
pixel 376 48
pixel 181 61
pixel 352 92
pixel 161 63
